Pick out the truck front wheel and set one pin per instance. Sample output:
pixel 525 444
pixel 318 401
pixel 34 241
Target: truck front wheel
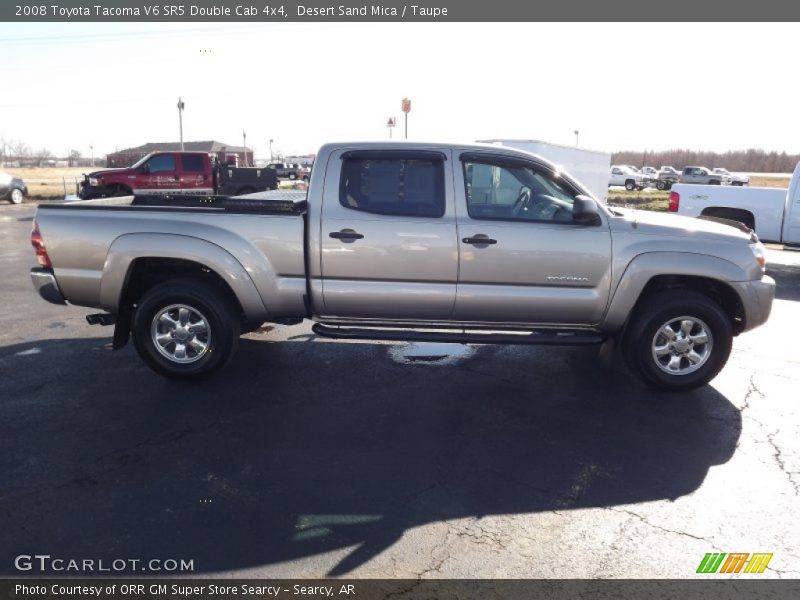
pixel 185 329
pixel 678 340
pixel 630 185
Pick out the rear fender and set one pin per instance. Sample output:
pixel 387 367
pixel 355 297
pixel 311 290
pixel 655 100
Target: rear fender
pixel 127 248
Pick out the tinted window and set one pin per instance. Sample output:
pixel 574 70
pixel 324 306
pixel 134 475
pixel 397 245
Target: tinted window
pixel 515 193
pixel 193 163
pixel 391 186
pixel 161 162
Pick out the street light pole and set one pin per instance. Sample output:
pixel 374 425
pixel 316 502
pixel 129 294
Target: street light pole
pixel 180 119
pixel 91 151
pixel 244 146
pixel 577 133
pixel 270 150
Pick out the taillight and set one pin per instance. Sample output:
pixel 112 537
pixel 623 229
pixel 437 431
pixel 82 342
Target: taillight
pixel 674 201
pixel 38 246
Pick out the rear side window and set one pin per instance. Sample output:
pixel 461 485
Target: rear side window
pixel 393 186
pixel 161 162
pixel 192 163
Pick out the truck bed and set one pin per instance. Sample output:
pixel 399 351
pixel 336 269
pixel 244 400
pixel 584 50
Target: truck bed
pixel 258 238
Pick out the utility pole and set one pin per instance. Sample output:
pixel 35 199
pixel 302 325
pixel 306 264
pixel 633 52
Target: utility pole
pixel 91 151
pixel 270 149
pixel 577 133
pixel 180 120
pixel 244 145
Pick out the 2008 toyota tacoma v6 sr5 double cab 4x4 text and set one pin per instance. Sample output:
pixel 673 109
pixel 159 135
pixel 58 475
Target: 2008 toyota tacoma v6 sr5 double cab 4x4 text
pixel 406 241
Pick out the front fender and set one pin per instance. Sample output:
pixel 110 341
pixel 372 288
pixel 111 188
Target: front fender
pixel 644 267
pixel 127 248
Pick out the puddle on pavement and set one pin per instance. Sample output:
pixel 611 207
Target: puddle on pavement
pixel 430 353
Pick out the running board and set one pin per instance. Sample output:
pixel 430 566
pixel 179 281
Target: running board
pixel 538 338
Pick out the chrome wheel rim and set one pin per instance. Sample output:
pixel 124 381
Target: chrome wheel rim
pixel 682 345
pixel 16 196
pixel 180 333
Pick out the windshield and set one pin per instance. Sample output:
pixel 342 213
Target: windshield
pixel 140 162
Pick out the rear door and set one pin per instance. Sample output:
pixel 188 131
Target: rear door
pixel 388 236
pixel 194 175
pixel 522 258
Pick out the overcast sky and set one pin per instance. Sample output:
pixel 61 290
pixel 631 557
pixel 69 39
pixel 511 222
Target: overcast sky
pixel 627 86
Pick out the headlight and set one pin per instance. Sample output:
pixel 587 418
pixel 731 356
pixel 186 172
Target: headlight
pixel 94 181
pixel 760 253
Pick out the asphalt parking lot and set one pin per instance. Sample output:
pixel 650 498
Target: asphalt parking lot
pixel 311 458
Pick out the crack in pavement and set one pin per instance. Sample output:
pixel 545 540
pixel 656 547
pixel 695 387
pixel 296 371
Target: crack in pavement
pixel 660 528
pixel 778 456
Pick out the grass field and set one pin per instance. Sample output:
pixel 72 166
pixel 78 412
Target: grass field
pixel 48 183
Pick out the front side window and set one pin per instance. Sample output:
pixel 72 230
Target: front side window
pixel 161 162
pixel 515 193
pixel 393 186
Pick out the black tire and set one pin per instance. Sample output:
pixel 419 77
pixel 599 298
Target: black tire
pixel 630 185
pixel 292 176
pixel 305 178
pixel 656 312
pixel 223 327
pixel 661 185
pixel 118 191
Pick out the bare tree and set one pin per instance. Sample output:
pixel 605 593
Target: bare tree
pixel 73 157
pixel 19 149
pixel 41 155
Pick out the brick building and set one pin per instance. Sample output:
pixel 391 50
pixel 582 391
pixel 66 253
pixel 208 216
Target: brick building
pixel 125 158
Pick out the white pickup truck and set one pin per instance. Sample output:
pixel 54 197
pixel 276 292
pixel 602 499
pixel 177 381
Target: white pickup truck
pixel 773 213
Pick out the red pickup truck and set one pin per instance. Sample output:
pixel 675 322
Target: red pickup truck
pixel 177 173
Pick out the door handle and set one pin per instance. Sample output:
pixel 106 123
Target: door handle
pixel 346 235
pixel 479 240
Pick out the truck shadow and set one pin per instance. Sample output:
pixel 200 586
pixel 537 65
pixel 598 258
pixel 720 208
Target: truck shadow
pixel 787 279
pixel 302 448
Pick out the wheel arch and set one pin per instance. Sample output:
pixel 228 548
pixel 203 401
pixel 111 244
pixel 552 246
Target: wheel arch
pixel 136 262
pixel 736 214
pixel 650 273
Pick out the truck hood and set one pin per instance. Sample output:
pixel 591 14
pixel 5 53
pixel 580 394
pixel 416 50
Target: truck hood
pixel 106 172
pixel 653 223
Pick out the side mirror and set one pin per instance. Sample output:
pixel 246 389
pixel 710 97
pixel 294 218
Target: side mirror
pixel 585 211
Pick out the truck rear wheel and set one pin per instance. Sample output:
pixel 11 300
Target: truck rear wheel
pixel 661 185
pixel 185 329
pixel 678 340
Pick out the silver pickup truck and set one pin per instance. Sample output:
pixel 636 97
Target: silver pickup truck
pixel 406 241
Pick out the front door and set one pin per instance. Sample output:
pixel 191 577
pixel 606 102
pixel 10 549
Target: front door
pixel 160 175
pixel 523 260
pixel 388 236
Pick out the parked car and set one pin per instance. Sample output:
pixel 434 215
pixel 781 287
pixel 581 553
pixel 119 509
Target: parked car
pixel 703 176
pixel 411 242
pixel 303 173
pixel 667 176
pixel 176 173
pixel 12 188
pixel 735 179
pixel 625 175
pixel 773 213
pixel 284 170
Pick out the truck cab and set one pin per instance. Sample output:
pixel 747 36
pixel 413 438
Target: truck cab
pixel 156 173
